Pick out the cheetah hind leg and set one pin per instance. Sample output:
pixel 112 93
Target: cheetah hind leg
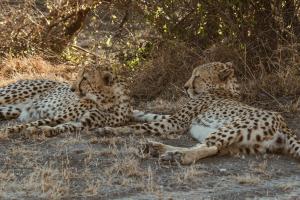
pixel 214 143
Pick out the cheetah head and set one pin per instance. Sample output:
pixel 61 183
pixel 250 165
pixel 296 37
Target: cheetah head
pixel 94 80
pixel 212 78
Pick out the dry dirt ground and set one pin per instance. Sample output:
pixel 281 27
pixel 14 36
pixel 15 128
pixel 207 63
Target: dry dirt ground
pixel 84 166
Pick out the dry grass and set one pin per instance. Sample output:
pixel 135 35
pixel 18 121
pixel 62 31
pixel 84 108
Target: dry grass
pixel 12 69
pixel 190 174
pixel 164 74
pixel 161 106
pixel 44 181
pixel 284 82
pixel 247 179
pixel 84 166
pixel 261 167
pixel 53 178
pixel 127 167
pixel 171 63
pixel 288 186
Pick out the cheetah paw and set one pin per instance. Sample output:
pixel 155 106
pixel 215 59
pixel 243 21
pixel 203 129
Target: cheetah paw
pixel 3 134
pixel 10 132
pixel 154 148
pixel 104 131
pixel 49 131
pixel 172 157
pixel 32 131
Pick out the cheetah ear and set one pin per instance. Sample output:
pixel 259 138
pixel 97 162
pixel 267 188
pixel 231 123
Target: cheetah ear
pixel 75 86
pixel 225 74
pixel 229 64
pixel 108 78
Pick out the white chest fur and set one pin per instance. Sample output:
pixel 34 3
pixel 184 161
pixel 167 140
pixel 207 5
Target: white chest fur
pixel 24 116
pixel 202 126
pixel 200 132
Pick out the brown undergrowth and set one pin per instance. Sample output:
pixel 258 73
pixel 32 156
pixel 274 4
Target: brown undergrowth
pixel 171 64
pixel 34 67
pixel 165 72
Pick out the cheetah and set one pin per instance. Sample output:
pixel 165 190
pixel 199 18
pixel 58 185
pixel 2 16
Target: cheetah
pixel 97 98
pixel 216 118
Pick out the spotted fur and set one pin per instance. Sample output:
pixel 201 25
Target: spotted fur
pixel 215 117
pixel 95 99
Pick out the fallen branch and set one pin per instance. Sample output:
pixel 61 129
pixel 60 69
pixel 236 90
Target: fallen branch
pixel 85 50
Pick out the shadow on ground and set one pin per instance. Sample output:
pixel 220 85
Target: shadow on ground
pixel 84 166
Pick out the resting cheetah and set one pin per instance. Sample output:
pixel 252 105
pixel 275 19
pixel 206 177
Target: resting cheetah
pixel 216 119
pixel 95 99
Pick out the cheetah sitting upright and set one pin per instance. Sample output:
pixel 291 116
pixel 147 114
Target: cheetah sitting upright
pixel 96 99
pixel 216 119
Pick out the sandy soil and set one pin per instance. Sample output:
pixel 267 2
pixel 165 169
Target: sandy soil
pixel 84 166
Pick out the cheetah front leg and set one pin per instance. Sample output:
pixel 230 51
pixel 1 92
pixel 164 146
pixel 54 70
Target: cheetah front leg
pixel 181 155
pixel 214 142
pixel 50 131
pixel 90 120
pixel 55 126
pixel 31 128
pixel 157 149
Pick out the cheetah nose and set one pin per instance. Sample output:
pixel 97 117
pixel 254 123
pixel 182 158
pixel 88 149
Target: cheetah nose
pixel 72 89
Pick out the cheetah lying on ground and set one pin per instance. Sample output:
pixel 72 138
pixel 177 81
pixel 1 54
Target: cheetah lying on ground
pixel 96 99
pixel 216 119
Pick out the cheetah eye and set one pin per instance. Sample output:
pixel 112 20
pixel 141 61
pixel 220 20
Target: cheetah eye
pixel 108 79
pixel 200 78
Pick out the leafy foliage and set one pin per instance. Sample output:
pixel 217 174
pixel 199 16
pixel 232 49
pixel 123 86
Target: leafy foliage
pixel 35 26
pixel 157 37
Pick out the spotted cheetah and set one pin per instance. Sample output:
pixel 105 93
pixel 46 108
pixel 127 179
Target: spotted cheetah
pixel 96 99
pixel 217 119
